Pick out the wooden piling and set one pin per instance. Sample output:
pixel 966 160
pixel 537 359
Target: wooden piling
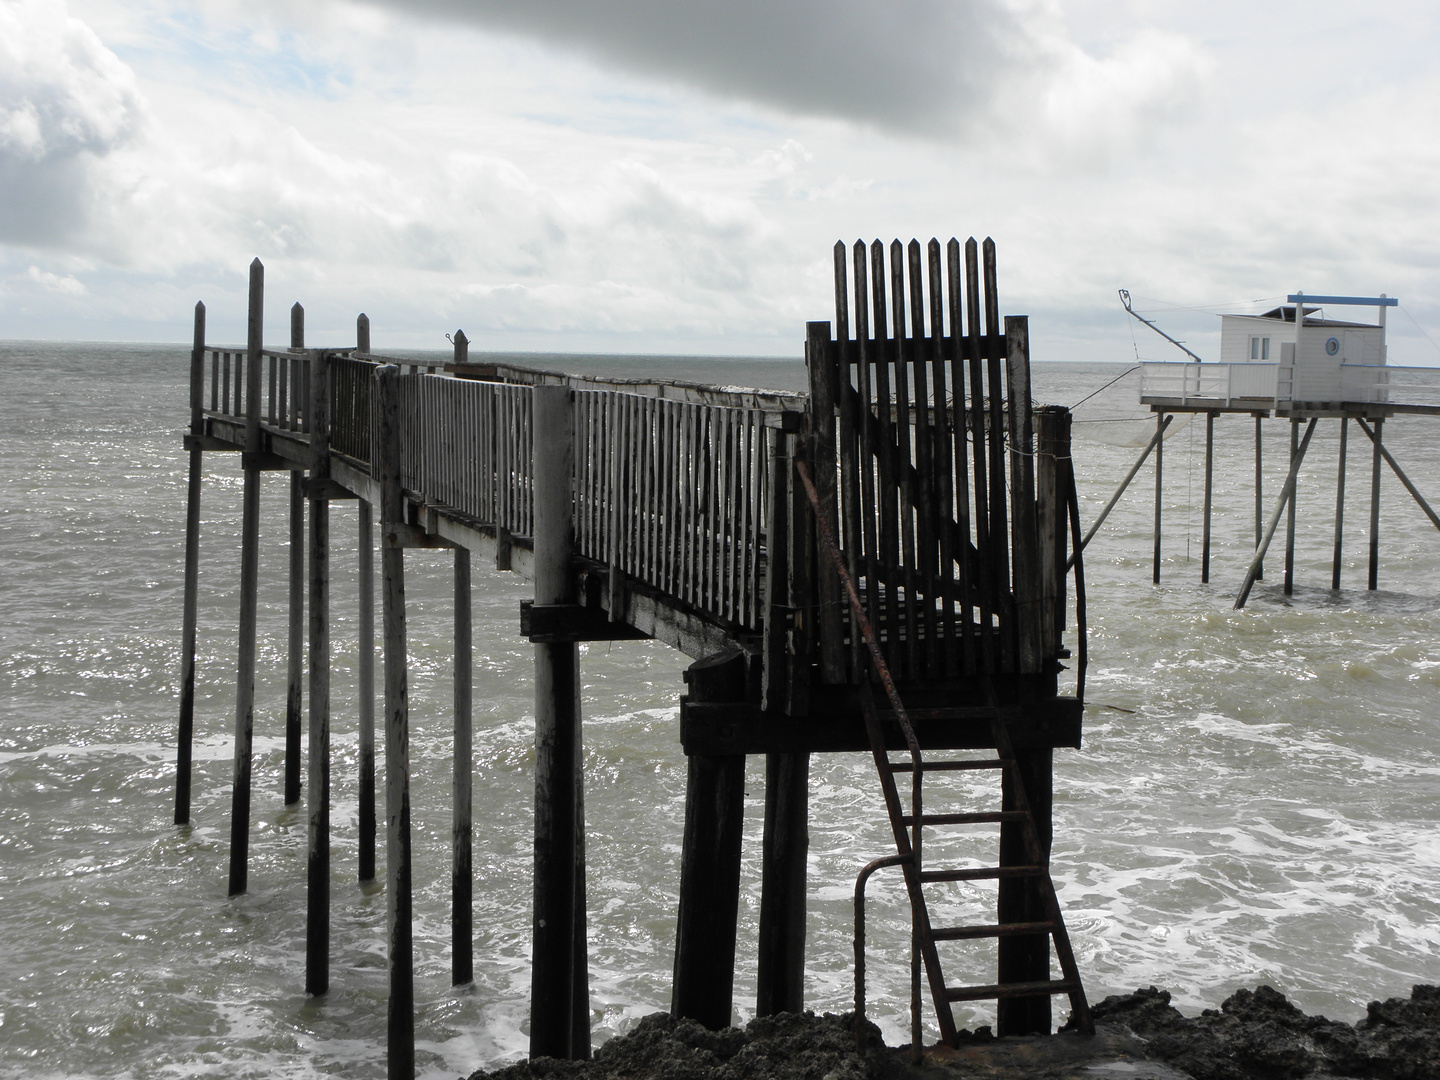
pixel 1024 958
pixel 295 639
pixel 780 971
pixel 462 347
pixel 1259 497
pixel 1339 504
pixel 462 950
pixel 362 334
pixel 400 1046
pixel 1286 493
pixel 1159 477
pixel 557 738
pixel 704 973
pixel 317 920
pixel 185 735
pixel 249 590
pixel 1290 515
pixel 1209 496
pixel 820 362
pixel 1375 458
pixel 365 680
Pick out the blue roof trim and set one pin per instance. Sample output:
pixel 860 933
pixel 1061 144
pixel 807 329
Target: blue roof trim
pixel 1357 301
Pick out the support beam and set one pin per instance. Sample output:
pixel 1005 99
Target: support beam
pixel 704 972
pixel 1024 958
pixel 185 736
pixel 365 680
pixel 1134 469
pixel 400 1044
pixel 1259 494
pixel 1159 482
pixel 295 643
pixel 462 949
pixel 1339 504
pixel 317 919
pixel 1290 516
pixel 1209 497
pixel 1400 474
pixel 1376 440
pixel 249 592
pixel 780 973
pixel 1286 494
pixel 557 742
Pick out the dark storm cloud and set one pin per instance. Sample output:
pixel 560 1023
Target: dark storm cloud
pixel 921 65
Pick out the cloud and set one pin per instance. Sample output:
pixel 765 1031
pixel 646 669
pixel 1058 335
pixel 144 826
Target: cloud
pixel 65 284
pixel 65 100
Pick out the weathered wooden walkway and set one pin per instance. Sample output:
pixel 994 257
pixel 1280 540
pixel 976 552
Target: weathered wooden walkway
pixel 674 511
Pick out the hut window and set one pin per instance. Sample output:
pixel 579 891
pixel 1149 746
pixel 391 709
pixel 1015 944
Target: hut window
pixel 1259 348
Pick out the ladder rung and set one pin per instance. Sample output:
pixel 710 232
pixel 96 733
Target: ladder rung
pixel 1011 990
pixel 949 766
pixel 962 933
pixel 987 817
pixel 981 873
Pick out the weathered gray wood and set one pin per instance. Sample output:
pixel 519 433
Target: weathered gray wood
pixel 1290 517
pixel 400 1042
pixel 297 325
pixel 1286 494
pixel 780 968
pixel 820 361
pixel 868 508
pixel 1030 637
pixel 1339 503
pixel 705 931
pixel 1024 957
pixel 462 347
pixel 1259 504
pixel 365 681
pixel 943 469
pixel 998 524
pixel 961 442
pixel 1373 579
pixel 362 334
pixel 185 734
pixel 851 530
pixel 317 917
pixel 923 491
pixel 557 741
pixel 1050 521
pixel 249 594
pixel 1159 491
pixel 462 948
pixel 905 478
pixel 295 642
pixel 1209 496
pixel 775 671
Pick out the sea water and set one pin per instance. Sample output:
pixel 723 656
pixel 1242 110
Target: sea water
pixel 1256 799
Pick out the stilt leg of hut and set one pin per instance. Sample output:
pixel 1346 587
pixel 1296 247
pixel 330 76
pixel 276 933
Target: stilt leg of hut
pixel 400 1045
pixel 780 975
pixel 1339 504
pixel 317 922
pixel 462 960
pixel 1159 478
pixel 249 594
pixel 557 740
pixel 1209 500
pixel 1374 577
pixel 1259 493
pixel 1024 958
pixel 1290 515
pixel 295 645
pixel 365 677
pixel 704 973
pixel 185 735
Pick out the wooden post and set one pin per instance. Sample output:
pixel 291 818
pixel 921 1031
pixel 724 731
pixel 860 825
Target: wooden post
pixel 317 921
pixel 1024 957
pixel 1259 503
pixel 1030 638
pixel 462 949
pixel 462 347
pixel 1290 515
pixel 820 362
pixel 400 1048
pixel 1339 504
pixel 365 678
pixel 557 739
pixel 704 973
pixel 362 334
pixel 1209 496
pixel 249 591
pixel 1286 493
pixel 1159 476
pixel 297 326
pixel 780 972
pixel 295 643
pixel 185 737
pixel 775 673
pixel 1374 576
pixel 1051 443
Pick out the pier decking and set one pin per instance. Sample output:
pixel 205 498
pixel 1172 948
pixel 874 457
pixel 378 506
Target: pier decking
pixel 681 512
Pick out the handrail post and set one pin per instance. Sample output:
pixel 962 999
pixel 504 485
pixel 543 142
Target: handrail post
pixel 317 923
pixel 185 737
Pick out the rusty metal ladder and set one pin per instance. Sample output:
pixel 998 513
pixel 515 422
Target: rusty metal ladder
pixel 908 830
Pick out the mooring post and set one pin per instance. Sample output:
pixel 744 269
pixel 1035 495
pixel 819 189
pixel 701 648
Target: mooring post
pixel 1290 514
pixel 365 678
pixel 1339 504
pixel 557 740
pixel 249 589
pixel 462 949
pixel 295 644
pixel 1259 496
pixel 785 845
pixel 1024 957
pixel 462 347
pixel 1209 491
pixel 400 1049
pixel 704 974
pixel 1375 458
pixel 1159 476
pixel 317 923
pixel 362 334
pixel 185 736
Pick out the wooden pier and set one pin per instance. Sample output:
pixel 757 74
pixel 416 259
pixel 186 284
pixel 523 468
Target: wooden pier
pixel 906 523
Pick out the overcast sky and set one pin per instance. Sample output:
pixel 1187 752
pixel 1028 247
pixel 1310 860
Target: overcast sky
pixel 670 175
